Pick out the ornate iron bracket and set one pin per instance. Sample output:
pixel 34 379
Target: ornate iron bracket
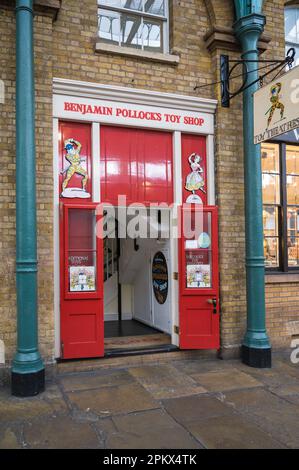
pixel 226 73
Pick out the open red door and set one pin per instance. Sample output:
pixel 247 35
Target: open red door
pixel 81 282
pixel 199 283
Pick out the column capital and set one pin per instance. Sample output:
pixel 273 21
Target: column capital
pixel 248 30
pixel 250 23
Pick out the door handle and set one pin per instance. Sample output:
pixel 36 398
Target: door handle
pixel 214 303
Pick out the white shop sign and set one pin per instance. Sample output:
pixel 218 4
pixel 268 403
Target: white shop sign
pixel 128 114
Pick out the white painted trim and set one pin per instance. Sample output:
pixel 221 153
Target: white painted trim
pixel 211 170
pixel 174 284
pixel 96 178
pixel 97 91
pixel 177 167
pixel 56 237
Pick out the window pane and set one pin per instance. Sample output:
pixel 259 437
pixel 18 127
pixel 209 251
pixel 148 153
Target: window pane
pixel 293 222
pixel 156 7
pixel 81 228
pixel 109 22
pixel 270 220
pixel 152 35
pixel 291 27
pixel 292 156
pixel 270 158
pixel 130 4
pixel 293 251
pixel 293 189
pixel 271 252
pixel 131 29
pixel 82 271
pixel 271 193
pixel 198 269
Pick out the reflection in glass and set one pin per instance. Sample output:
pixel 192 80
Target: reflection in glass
pixel 293 221
pixel 109 26
pixel 131 31
pixel 271 193
pixel 293 251
pixel 292 160
pixel 292 24
pixel 271 252
pixel 197 228
pixel 198 269
pixel 156 7
pixel 81 250
pixel 270 158
pixel 270 220
pixel 292 189
pixel 129 4
pixel 81 229
pixel 152 35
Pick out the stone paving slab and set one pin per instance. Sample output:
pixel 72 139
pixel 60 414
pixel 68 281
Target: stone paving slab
pixel 9 438
pixel 193 367
pixel 195 408
pixel 273 414
pixel 18 409
pixel 222 380
pixel 233 431
pixel 93 381
pixel 165 381
pixel 109 401
pixel 149 430
pixel 60 432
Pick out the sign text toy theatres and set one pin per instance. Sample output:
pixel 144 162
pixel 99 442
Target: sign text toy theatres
pixel 276 107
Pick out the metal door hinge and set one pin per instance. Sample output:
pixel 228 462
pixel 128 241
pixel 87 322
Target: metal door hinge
pixel 176 329
pixel 176 276
pixel 62 350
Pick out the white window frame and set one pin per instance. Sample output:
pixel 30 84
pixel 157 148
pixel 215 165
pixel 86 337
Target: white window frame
pixel 142 14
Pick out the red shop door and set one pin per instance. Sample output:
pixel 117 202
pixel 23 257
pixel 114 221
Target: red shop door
pixel 81 282
pixel 199 284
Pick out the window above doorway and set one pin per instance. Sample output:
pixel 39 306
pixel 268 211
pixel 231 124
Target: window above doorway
pixel 292 30
pixel 138 24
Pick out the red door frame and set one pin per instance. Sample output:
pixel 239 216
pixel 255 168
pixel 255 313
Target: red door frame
pixel 196 302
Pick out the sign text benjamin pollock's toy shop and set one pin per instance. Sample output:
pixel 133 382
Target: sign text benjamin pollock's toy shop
pixel 125 113
pixel 186 119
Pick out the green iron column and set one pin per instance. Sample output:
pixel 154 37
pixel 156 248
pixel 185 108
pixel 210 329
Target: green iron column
pixel 28 374
pixel 256 348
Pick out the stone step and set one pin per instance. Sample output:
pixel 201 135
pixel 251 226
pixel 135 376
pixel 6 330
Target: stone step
pixel 72 366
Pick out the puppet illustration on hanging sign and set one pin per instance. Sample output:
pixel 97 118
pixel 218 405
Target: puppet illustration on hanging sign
pixel 276 104
pixel 73 149
pixel 194 180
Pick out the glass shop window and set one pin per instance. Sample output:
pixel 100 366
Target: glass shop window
pixel 280 166
pixel 82 250
pixel 140 24
pixel 198 253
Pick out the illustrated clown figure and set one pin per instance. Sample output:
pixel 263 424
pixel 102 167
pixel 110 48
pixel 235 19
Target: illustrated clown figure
pixel 194 180
pixel 276 103
pixel 73 157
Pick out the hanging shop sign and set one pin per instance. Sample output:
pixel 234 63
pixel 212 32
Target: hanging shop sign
pixel 276 107
pixel 160 277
